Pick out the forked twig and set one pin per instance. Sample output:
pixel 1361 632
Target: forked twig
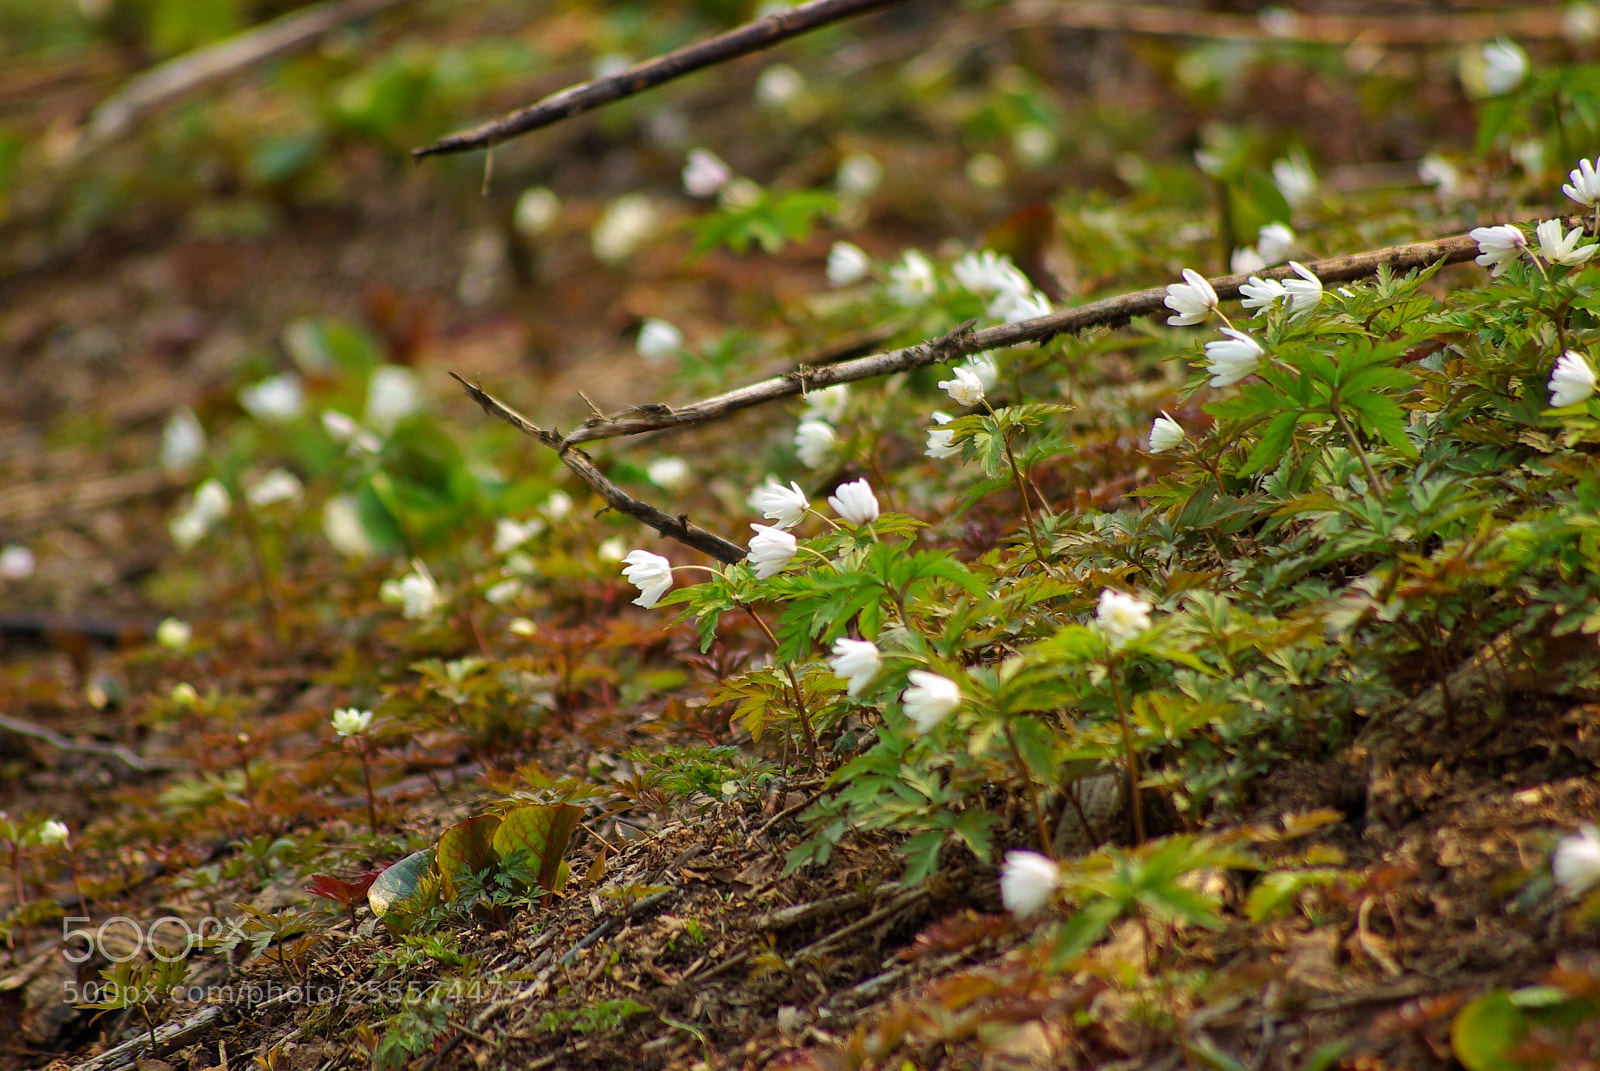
pixel 575 100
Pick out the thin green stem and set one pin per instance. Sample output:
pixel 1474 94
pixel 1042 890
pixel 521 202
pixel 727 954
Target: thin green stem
pixel 366 776
pixel 1022 492
pixel 800 711
pixel 1041 824
pixel 1355 446
pixel 1130 756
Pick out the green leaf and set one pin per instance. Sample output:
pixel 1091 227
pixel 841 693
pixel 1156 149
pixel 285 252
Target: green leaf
pixel 399 883
pixel 466 847
pixel 1083 929
pixel 1276 439
pixel 542 832
pixel 1487 1031
pixel 1274 891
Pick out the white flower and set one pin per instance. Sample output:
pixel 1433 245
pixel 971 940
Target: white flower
pixel 1233 358
pixel 1027 881
pixel 847 264
pixel 1498 246
pixel 343 429
pixel 210 504
pixel 779 86
pixel 274 400
pixel 1246 260
pixel 538 210
pixel 1559 248
pixel 504 592
pixel 393 393
pixel 705 173
pixel 964 387
pixel 1576 861
pixel 930 699
pixel 650 573
pixel 16 562
pixel 770 550
pixel 1305 293
pixel 740 195
pixel 983 366
pixel 658 340
pixel 668 473
pixel 53 834
pixel 1165 434
pixel 184 696
pixel 510 534
pixel 624 226
pixel 857 661
pixel 341 524
pixel 183 441
pixel 1015 308
pixel 558 506
pixel 941 441
pixel 1584 187
pixel 1193 299
pixel 827 404
pixel 416 593
pixel 1295 179
pixel 610 64
pixel 858 176
pixel 814 441
pixel 279 485
pixel 1261 293
pixel 611 550
pixel 351 722
pixel 1121 616
pixel 1573 380
pixel 173 634
pixel 522 626
pixel 988 273
pixel 1505 65
pixel 911 282
pixel 1274 242
pixel 855 502
pixel 1441 174
pixel 785 505
pixel 1034 143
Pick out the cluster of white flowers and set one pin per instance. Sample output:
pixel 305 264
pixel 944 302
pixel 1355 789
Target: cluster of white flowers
pixel 1273 243
pixel 211 503
pixel 417 593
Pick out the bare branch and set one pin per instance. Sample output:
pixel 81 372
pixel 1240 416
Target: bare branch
pixel 575 100
pixel 679 528
pixel 1112 312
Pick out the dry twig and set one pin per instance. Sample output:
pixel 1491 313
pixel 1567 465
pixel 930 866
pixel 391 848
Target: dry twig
pixel 575 100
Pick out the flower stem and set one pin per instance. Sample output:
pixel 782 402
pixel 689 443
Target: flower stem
pixel 1041 824
pixel 1027 505
pixel 794 682
pixel 1130 756
pixel 1355 445
pixel 366 776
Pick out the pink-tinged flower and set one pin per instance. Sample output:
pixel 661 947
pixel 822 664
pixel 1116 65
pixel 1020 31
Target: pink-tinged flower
pixel 1573 380
pixel 771 550
pixel 855 502
pixel 1498 246
pixel 650 573
pixel 1233 358
pixel 1193 299
pixel 857 661
pixel 1027 881
pixel 930 699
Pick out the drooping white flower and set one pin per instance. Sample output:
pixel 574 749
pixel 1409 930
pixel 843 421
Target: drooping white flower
pixel 1294 178
pixel 417 593
pixel 771 550
pixel 859 176
pixel 275 400
pixel 1261 293
pixel 941 441
pixel 183 441
pixel 650 573
pixel 1584 186
pixel 705 173
pixel 988 273
pixel 911 282
pixel 1436 171
pixel 53 833
pixel 668 473
pixel 1246 260
pixel 963 386
pixel 503 592
pixel 343 429
pixel 984 367
pixel 1505 65
pixel 1562 248
pixel 348 721
pixel 1233 358
pixel 341 524
pixel 1576 861
pixel 779 86
pixel 857 661
pixel 1305 293
pixel 16 562
pixel 1498 246
pixel 174 635
pixel 279 485
pixel 827 404
pixel 1274 242
pixel 1193 299
pixel 393 393
pixel 785 506
pixel 558 507
pixel 1015 308
pixel 1121 616
pixel 1573 380
pixel 627 223
pixel 1165 434
pixel 510 534
pixel 611 550
pixel 658 340
pixel 814 441
pixel 1027 881
pixel 847 264
pixel 930 699
pixel 855 502
pixel 211 503
pixel 537 211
